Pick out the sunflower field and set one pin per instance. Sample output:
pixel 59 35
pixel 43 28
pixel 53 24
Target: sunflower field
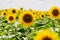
pixel 30 24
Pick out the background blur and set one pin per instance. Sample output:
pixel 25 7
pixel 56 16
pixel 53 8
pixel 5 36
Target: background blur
pixel 26 4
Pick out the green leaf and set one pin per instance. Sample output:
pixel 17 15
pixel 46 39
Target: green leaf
pixel 21 30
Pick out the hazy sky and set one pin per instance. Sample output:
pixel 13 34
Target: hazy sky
pixel 34 4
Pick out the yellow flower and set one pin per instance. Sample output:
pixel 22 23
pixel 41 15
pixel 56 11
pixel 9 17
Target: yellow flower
pixel 36 13
pixel 27 18
pixel 21 9
pixel 54 12
pixel 13 11
pixel 46 13
pixel 42 15
pixel 46 35
pixel 11 18
pixel 30 9
pixel 4 13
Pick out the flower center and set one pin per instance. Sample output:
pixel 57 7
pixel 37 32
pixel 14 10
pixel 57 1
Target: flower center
pixel 42 16
pixel 21 8
pixel 13 11
pixel 4 13
pixel 11 18
pixel 55 12
pixel 46 38
pixel 27 18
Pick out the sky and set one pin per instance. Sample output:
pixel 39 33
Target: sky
pixel 27 4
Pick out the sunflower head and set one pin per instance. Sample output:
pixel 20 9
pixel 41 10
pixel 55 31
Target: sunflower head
pixel 54 12
pixel 42 15
pixel 36 13
pixel 21 9
pixel 11 18
pixel 4 13
pixel 30 9
pixel 13 11
pixel 46 35
pixel 27 18
pixel 6 9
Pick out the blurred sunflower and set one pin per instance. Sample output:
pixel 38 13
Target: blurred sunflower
pixel 36 13
pixel 21 9
pixel 5 9
pixel 30 9
pixel 46 35
pixel 42 15
pixel 46 13
pixel 54 12
pixel 11 18
pixel 13 11
pixel 27 18
pixel 4 13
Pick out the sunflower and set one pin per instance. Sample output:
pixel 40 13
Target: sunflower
pixel 30 9
pixel 46 13
pixel 13 11
pixel 21 9
pixel 27 18
pixel 42 15
pixel 4 13
pixel 36 13
pixel 5 9
pixel 11 18
pixel 54 12
pixel 46 35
